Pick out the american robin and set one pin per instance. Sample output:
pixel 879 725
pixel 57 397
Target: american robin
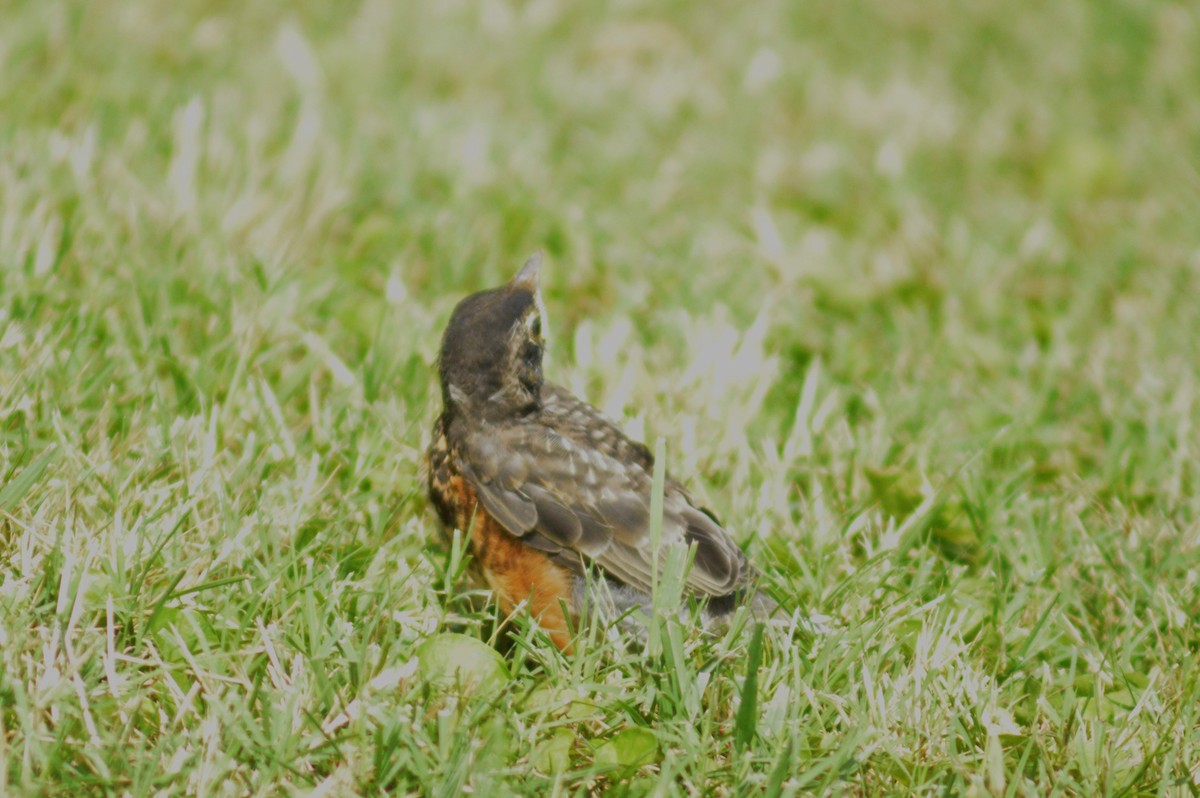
pixel 546 489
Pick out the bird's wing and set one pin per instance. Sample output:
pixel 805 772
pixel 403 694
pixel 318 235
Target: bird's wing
pixel 567 498
pixel 574 418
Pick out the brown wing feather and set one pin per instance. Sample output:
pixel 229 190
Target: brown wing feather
pixel 557 483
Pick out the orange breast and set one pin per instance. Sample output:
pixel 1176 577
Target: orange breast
pixel 515 572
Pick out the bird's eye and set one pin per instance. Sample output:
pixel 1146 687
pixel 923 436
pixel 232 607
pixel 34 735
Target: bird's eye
pixel 536 327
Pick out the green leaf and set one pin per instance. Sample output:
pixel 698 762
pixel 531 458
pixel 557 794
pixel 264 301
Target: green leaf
pixel 897 490
pixel 628 749
pixel 449 660
pixel 554 754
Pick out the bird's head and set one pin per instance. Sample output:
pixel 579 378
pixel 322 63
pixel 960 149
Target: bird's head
pixel 491 358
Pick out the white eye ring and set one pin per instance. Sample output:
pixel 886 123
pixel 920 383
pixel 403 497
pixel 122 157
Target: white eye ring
pixel 535 326
pixel 540 313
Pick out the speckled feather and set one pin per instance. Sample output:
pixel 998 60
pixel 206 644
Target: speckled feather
pixel 566 476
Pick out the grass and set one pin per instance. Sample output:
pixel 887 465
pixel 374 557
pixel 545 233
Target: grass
pixel 908 289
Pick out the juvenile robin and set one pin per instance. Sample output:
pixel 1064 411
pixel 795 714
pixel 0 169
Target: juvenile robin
pixel 546 490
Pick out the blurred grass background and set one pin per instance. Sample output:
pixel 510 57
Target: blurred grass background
pixel 909 289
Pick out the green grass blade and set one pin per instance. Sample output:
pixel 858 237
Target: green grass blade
pixel 12 493
pixel 746 722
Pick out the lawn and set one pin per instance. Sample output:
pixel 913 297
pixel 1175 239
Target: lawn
pixel 910 291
